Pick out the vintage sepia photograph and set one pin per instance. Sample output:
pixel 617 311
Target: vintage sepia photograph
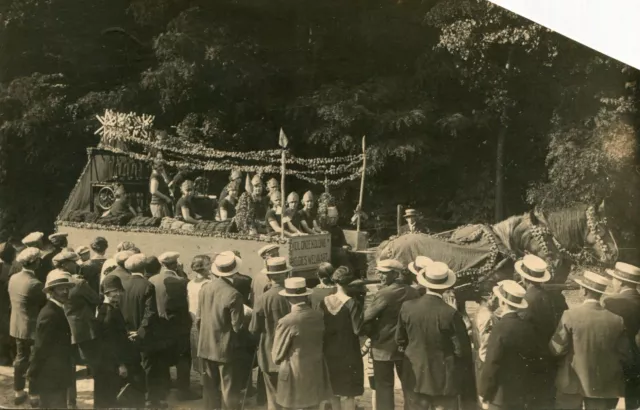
pixel 330 205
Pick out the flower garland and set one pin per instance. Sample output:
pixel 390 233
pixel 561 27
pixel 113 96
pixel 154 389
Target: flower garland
pixel 333 182
pixel 164 231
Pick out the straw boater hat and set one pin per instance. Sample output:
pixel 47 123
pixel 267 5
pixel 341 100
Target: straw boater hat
pixel 593 281
pixel 510 292
pixel 420 263
pixel 276 266
pixel 295 287
pixel 533 268
pixel 28 256
pixel 262 252
pixel 626 273
pixel 235 255
pixel 32 238
pixel 436 275
pixel 225 265
pixel 410 212
pixel 58 277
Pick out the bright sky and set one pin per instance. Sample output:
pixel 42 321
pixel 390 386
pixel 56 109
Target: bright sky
pixel 611 27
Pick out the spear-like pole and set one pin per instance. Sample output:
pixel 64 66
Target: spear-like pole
pixel 284 142
pixel 364 168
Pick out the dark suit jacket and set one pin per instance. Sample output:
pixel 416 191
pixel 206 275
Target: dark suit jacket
pixel 243 283
pixel 81 311
pixel 220 305
pixel 27 298
pixel 513 362
pixel 437 348
pixel 120 272
pixel 544 311
pixel 90 271
pixel 140 310
pixel 627 306
pixel 269 309
pixel 46 265
pixel 177 306
pixel 50 365
pixel 419 228
pixel 381 319
pixel 115 347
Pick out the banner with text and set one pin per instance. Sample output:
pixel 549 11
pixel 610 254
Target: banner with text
pixel 307 252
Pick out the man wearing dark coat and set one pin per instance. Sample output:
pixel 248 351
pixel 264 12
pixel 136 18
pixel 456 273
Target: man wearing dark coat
pixel 267 311
pixel 35 240
pixel 91 269
pixel 514 353
pixel 380 323
pixel 435 343
pixel 626 304
pixel 27 298
pixel 544 311
pixel 414 223
pixel 51 357
pixel 220 319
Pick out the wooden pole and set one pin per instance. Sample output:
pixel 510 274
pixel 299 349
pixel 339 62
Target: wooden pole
pixel 282 198
pixel 399 219
pixel 364 170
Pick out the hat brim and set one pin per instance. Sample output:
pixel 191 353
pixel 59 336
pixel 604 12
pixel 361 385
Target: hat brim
pixel 451 280
pixel 522 305
pixel 267 272
pixel 412 268
pixel 582 284
pixel 264 251
pixel 284 293
pixel 57 285
pixel 545 278
pixel 215 271
pixel 613 274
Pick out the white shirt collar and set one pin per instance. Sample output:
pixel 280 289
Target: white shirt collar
pixel 434 294
pixel 28 271
pixel 591 301
pixel 137 274
pixel 56 302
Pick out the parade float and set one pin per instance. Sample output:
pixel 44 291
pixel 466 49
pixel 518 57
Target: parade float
pixel 129 146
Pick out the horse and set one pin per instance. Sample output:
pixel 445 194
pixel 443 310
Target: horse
pixel 582 235
pixel 480 255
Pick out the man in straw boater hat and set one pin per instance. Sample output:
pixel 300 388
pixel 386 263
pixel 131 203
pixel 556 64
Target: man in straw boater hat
pixel 50 371
pixel 303 376
pixel 267 311
pixel 380 322
pixel 261 281
pixel 25 293
pixel 436 366
pixel 626 304
pixel 221 307
pixel 544 312
pixel 507 379
pixel 414 222
pixel 593 346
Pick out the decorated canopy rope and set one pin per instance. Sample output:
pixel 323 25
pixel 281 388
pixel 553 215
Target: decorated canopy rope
pixel 138 129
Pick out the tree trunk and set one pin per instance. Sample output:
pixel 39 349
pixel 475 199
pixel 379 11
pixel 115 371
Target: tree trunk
pixel 499 205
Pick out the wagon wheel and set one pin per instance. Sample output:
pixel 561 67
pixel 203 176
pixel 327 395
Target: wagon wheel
pixel 106 197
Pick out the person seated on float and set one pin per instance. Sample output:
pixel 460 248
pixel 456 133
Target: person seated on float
pixel 184 206
pixel 292 214
pixel 274 217
pixel 308 215
pixel 227 207
pixel 339 246
pixel 121 206
pixel 235 180
pixel 272 186
pixel 159 190
pixel 252 208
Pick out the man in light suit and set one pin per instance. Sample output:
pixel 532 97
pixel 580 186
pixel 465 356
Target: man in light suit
pixel 221 306
pixel 594 347
pixel 626 304
pixel 435 342
pixel 27 298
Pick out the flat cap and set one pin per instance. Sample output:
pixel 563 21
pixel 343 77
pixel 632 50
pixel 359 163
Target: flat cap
pixel 136 263
pixel 28 256
pixel 33 237
pixel 267 248
pixel 81 250
pixel 168 257
pixel 387 265
pixel 112 283
pixel 65 255
pixel 57 236
pixel 122 256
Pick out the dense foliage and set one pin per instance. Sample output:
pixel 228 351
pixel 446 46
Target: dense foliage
pixel 470 112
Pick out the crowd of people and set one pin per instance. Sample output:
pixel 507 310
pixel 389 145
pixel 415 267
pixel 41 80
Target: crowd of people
pixel 131 317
